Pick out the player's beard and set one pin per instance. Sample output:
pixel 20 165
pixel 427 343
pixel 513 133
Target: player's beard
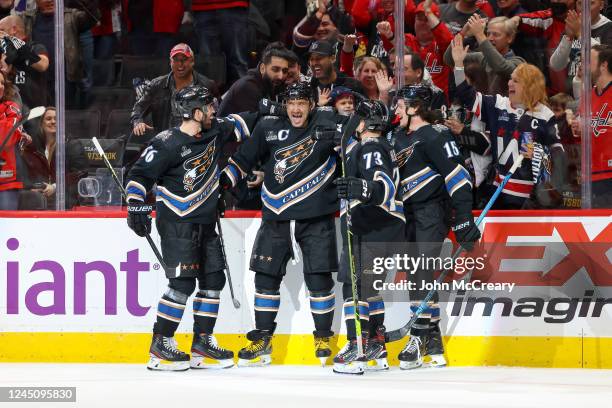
pixel 275 86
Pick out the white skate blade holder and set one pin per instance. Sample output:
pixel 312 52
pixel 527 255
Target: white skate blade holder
pixel 157 364
pixel 410 365
pixel 354 367
pixel 378 364
pixel 200 362
pixel 434 360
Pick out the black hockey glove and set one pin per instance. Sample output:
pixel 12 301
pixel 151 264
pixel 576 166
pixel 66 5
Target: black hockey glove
pixel 353 188
pixel 327 135
pixel 18 52
pixel 466 232
pixel 224 181
pixel 139 218
pixel 271 108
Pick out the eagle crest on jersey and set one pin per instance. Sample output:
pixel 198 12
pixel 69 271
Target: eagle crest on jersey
pixel 289 158
pixel 402 156
pixel 197 167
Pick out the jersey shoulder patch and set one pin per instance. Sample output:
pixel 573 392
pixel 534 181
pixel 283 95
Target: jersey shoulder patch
pixel 164 136
pixel 325 109
pixel 439 128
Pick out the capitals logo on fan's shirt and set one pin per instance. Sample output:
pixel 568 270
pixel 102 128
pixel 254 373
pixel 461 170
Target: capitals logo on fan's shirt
pixel 197 167
pixel 289 158
pixel 602 121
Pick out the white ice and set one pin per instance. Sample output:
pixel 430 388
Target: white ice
pixel 128 385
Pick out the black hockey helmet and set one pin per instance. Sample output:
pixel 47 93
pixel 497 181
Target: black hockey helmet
pixel 298 90
pixel 413 95
pixel 375 114
pixel 190 98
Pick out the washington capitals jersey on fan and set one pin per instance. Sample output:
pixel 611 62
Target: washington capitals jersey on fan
pixel 298 169
pixel 512 132
pixel 431 168
pixel 186 170
pixel 373 159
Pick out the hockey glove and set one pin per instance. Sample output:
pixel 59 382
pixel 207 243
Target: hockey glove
pixel 353 188
pixel 466 232
pixel 19 53
pixel 224 181
pixel 139 218
pixel 327 135
pixel 271 108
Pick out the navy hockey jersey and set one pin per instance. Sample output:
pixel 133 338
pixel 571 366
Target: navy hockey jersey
pixel 373 159
pixel 431 168
pixel 186 170
pixel 298 168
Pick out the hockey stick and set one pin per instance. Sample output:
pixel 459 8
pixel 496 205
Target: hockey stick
pixel 348 130
pixel 400 333
pixel 227 270
pixel 124 193
pixel 34 113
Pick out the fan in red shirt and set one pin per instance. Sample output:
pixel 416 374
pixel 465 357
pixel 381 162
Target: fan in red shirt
pixel 10 114
pixel 431 40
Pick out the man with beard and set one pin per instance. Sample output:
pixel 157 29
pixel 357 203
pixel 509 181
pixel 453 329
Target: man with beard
pixel 266 81
pixel 321 60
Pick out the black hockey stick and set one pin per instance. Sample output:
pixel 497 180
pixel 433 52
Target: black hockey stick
pixel 124 193
pixel 348 130
pixel 34 113
pixel 227 269
pixel 400 333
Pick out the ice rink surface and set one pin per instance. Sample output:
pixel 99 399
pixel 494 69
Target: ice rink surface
pixel 128 385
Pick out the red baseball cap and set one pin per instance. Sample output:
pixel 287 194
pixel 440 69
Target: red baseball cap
pixel 181 48
pixel 434 9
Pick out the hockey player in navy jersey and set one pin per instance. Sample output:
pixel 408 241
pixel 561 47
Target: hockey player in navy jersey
pixel 437 194
pixel 299 203
pixel 519 124
pixel 377 219
pixel 183 161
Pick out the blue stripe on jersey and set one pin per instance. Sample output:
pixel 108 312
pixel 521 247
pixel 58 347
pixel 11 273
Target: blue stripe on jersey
pixel 169 310
pixel 234 170
pixel 185 206
pixel 456 179
pixel 435 311
pixel 300 190
pixel 241 129
pixel 413 184
pixel 135 189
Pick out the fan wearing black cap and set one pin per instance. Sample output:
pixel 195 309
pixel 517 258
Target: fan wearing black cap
pixel 377 220
pixel 437 193
pixel 299 203
pixel 321 61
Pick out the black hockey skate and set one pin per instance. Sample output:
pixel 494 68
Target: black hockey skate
pixel 434 349
pixel 322 349
pixel 259 352
pixel 165 356
pixel 376 352
pixel 412 355
pixel 206 353
pixel 347 362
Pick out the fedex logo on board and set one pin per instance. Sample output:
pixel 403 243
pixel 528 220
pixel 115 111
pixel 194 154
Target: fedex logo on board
pixel 133 267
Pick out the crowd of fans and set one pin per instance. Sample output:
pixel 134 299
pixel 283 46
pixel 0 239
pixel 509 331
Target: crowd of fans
pixel 125 60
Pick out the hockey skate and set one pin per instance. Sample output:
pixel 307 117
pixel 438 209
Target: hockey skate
pixel 322 349
pixel 376 352
pixel 259 352
pixel 165 356
pixel 412 355
pixel 206 353
pixel 434 349
pixel 346 361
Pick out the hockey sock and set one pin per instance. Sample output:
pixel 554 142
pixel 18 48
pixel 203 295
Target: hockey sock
pixel 267 303
pixel 205 311
pixel 421 325
pixel 376 308
pixel 322 305
pixel 349 318
pixel 169 312
pixel 434 323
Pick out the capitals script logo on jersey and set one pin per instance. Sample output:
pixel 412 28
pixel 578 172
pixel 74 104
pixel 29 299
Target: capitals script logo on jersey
pixel 196 167
pixel 599 123
pixel 289 158
pixel 402 157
